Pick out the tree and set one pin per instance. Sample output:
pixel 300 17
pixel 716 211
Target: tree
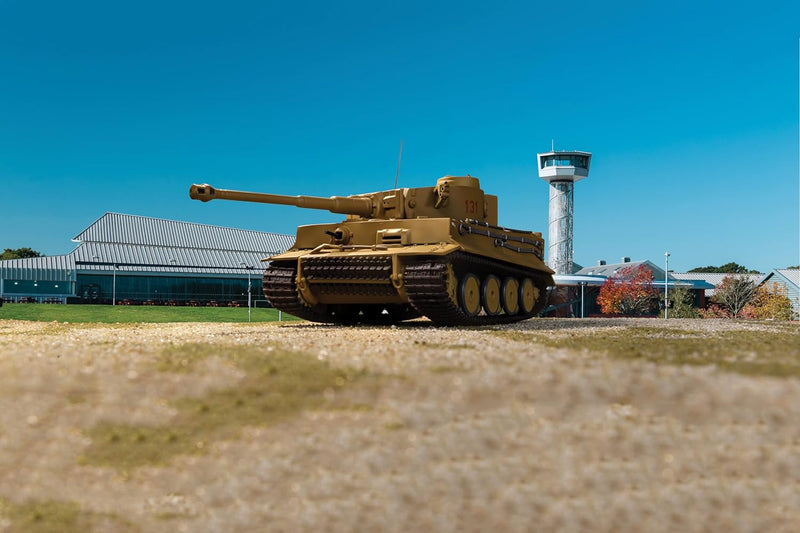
pixel 19 253
pixel 734 293
pixel 682 303
pixel 769 302
pixel 628 292
pixel 727 268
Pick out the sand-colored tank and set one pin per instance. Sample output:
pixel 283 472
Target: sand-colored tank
pixel 432 251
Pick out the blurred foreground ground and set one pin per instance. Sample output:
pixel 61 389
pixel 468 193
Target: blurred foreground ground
pixel 445 429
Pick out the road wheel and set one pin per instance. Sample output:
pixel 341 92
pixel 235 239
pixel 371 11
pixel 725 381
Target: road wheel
pixel 509 296
pixel 528 294
pixel 470 294
pixel 490 295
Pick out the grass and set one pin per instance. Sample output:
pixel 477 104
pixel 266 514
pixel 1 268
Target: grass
pixel 774 352
pixel 276 386
pixel 57 517
pixel 110 314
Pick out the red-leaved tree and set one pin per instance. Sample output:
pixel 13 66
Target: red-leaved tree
pixel 629 292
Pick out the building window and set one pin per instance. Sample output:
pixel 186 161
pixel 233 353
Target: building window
pixel 36 287
pixel 98 288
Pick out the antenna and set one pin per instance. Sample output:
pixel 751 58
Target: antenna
pixel 399 156
pixel 552 145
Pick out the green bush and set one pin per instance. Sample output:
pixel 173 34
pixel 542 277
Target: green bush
pixel 682 304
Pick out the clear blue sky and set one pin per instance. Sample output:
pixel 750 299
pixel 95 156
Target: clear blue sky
pixel 690 110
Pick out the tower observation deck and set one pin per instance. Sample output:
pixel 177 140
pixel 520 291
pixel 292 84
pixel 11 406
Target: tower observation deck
pixel 561 169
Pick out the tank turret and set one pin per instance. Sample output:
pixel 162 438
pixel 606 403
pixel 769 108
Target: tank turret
pixel 401 253
pixel 453 196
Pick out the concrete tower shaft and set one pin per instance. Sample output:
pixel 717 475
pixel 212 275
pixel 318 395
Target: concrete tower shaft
pixel 561 169
pixel 559 242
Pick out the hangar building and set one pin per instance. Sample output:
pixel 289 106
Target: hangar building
pixel 142 260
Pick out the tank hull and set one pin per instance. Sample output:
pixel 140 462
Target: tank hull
pixel 454 272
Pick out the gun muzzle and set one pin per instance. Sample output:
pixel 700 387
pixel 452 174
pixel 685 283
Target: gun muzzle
pixel 204 192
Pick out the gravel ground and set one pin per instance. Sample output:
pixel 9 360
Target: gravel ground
pixel 471 431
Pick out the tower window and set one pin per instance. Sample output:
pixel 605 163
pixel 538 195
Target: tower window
pixel 578 161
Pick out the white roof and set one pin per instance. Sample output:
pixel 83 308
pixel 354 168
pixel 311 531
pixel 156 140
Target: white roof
pixel 607 271
pixel 118 228
pixel 792 274
pixel 714 278
pixel 144 244
pixel 610 270
pixel 47 268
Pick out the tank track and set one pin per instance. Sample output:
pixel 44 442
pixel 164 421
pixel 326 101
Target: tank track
pixel 353 277
pixel 425 284
pixel 279 286
pixel 280 289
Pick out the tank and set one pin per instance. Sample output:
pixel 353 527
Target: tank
pixel 403 253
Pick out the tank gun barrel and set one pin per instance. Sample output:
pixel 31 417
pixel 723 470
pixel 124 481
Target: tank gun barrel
pixel 336 204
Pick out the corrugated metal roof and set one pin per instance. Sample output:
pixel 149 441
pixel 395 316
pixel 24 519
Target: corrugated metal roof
pixel 139 258
pixel 48 268
pixel 610 270
pixel 117 228
pixel 791 274
pixel 714 278
pixel 143 244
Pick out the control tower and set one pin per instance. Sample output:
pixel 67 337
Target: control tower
pixel 561 169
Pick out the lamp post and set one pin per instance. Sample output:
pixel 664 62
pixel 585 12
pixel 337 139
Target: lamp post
pixel 666 285
pixel 249 291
